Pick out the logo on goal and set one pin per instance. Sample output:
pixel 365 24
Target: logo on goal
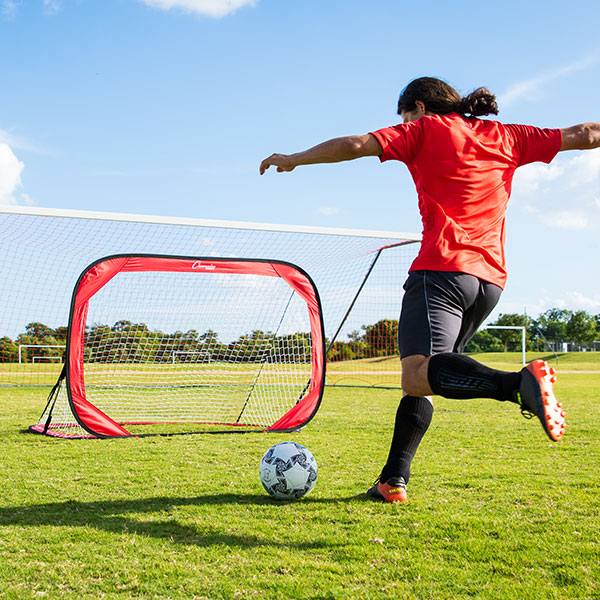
pixel 200 265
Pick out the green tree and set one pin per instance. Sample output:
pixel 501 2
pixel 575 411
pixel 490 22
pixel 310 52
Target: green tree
pixel 122 325
pixel 355 336
pixel 485 341
pixel 510 338
pixel 60 333
pixel 38 331
pixel 49 340
pixel 581 328
pixel 340 351
pixel 381 338
pixel 552 324
pixel 8 350
pixel 26 340
pixel 358 348
pixel 292 347
pixel 252 347
pixel 209 343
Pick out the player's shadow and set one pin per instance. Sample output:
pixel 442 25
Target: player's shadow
pixel 127 516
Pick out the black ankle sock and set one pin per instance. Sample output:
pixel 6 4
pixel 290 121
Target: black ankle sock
pixel 412 420
pixel 458 376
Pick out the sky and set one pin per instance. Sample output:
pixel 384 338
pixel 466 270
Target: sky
pixel 167 107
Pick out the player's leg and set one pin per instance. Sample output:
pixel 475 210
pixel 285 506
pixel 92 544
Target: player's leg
pixel 430 321
pixel 458 376
pixel 440 313
pixel 454 375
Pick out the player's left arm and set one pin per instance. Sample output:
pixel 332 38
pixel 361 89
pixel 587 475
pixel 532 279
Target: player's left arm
pixel 585 136
pixel 331 151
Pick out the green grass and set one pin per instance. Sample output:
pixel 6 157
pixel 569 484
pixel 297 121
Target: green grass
pixel 380 371
pixel 384 371
pixel 562 361
pixel 496 510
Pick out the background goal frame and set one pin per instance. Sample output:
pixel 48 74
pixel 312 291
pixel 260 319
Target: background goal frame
pixel 359 275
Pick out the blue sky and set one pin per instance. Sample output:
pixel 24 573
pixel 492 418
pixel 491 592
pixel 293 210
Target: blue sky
pixel 167 107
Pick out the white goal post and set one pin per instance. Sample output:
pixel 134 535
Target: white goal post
pixel 21 346
pixel 194 356
pixel 523 331
pixel 40 359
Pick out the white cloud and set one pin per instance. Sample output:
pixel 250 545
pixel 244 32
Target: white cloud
pixel 9 9
pixel 577 301
pixel 10 175
pixel 51 7
pixel 531 89
pixel 328 211
pixel 530 178
pixel 566 219
pixel 26 200
pixel 209 8
pixel 20 143
pixel 584 169
pixel 564 194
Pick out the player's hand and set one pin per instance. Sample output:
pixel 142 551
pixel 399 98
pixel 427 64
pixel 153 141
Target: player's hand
pixel 283 162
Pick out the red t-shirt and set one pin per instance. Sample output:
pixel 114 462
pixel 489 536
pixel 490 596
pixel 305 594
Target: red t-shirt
pixel 463 170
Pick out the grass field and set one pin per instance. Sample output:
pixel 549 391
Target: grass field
pixel 496 510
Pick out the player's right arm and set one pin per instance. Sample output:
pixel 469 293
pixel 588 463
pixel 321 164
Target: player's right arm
pixel 581 137
pixel 331 151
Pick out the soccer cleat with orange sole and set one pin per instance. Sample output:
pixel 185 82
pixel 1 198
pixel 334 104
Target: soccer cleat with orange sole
pixel 393 490
pixel 536 396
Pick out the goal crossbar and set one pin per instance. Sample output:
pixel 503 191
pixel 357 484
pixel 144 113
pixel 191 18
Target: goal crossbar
pixel 194 222
pixel 21 346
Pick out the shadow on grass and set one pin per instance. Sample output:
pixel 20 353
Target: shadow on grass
pixel 126 517
pixel 550 357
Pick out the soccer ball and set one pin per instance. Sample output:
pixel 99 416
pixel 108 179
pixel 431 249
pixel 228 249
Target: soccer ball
pixel 288 471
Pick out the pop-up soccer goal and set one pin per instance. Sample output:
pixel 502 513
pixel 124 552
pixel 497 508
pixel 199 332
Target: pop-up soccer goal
pixel 122 382
pixel 165 350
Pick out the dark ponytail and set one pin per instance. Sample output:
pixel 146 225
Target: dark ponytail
pixel 441 98
pixel 478 103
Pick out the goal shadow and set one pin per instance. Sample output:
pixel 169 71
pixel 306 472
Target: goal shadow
pixel 115 517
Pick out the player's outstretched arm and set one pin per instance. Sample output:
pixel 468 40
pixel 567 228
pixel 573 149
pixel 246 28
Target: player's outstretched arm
pixel 581 137
pixel 331 151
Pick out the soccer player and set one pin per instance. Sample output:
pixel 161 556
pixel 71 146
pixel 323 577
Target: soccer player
pixel 463 168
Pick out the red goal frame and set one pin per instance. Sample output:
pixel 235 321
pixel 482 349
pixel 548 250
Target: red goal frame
pixel 99 273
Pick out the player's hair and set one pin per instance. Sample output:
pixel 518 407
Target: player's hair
pixel 441 98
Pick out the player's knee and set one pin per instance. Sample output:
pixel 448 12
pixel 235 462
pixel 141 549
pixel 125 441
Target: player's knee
pixel 414 376
pixel 410 385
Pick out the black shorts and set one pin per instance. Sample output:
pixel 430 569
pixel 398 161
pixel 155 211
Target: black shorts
pixel 441 311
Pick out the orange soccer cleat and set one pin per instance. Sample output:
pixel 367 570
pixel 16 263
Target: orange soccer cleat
pixel 536 397
pixel 393 490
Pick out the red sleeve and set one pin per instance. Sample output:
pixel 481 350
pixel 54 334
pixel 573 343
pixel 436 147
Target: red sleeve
pixel 400 142
pixel 533 144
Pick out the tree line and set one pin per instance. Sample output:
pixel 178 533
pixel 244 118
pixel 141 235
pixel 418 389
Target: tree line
pixel 135 342
pixel 556 329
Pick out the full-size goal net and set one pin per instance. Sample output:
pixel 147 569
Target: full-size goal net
pixel 165 350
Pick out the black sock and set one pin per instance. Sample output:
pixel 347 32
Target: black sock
pixel 412 420
pixel 458 376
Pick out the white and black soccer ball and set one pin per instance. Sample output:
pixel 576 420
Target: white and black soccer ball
pixel 288 470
